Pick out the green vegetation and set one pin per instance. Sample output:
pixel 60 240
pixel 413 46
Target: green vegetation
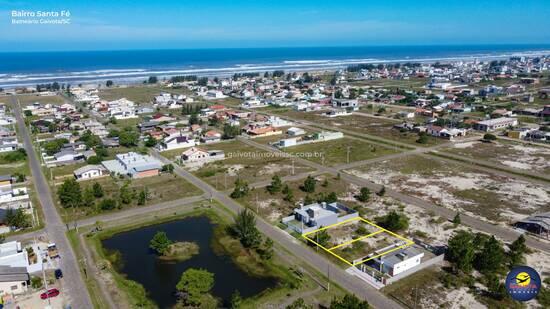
pixel 309 184
pixel 160 243
pixel 195 283
pixel 17 218
pixel 54 146
pixel 349 302
pixel 241 189
pixel 276 185
pixel 393 221
pixel 180 251
pixel 245 229
pixel 489 137
pixel 364 195
pixel 13 156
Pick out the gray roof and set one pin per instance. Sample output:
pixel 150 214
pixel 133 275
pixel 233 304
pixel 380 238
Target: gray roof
pixel 87 168
pixel 11 274
pixel 5 177
pixel 398 256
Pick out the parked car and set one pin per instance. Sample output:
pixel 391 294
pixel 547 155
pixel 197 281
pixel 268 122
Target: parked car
pixel 58 274
pixel 49 294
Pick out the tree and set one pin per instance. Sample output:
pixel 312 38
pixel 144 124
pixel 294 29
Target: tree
pixel 152 80
pixel 236 300
pixel 309 184
pixel 491 257
pixel 54 146
pixel 393 221
pixel 107 204
pixel 456 219
pixel 69 193
pixel 128 137
pixel 88 198
pixel 489 137
pixel 382 191
pixel 349 302
pixel 17 218
pixel 150 142
pixel 230 131
pixel 267 249
pixel 289 195
pixel 168 168
pixel 322 237
pixel 125 195
pixel 245 229
pixel 97 189
pixel 517 250
pixel 422 138
pixel 109 83
pixel 142 196
pixel 276 185
pixel 160 242
pixel 241 189
pixel 196 283
pixel 194 119
pixel 299 304
pixel 461 251
pixel 364 195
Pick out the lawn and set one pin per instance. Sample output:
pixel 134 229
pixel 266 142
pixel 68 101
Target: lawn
pixel 378 127
pixel 138 94
pixel 29 99
pixel 336 151
pixel 124 123
pixel 163 188
pixel 247 163
pixel 65 170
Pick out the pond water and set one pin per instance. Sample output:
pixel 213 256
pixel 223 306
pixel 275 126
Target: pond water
pixel 160 278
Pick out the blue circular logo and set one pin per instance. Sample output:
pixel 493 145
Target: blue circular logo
pixel 523 283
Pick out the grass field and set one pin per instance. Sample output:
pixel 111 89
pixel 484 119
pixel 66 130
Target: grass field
pixel 163 188
pixel 29 99
pixel 379 127
pixel 247 163
pixel 138 94
pixel 336 151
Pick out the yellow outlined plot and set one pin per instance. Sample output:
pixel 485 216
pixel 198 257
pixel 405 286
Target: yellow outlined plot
pixel 379 230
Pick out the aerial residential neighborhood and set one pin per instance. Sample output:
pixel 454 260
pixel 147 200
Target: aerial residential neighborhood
pixel 270 155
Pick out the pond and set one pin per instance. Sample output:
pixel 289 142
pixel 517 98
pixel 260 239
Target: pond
pixel 160 278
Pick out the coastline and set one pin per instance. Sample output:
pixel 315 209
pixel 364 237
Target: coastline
pixel 222 65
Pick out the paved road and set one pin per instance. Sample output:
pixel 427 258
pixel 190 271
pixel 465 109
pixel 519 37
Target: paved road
pixel 320 263
pixel 55 229
pixel 507 234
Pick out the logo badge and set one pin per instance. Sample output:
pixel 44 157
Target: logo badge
pixel 523 283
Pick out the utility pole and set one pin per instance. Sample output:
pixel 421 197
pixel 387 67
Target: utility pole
pixel 349 149
pixel 257 205
pixel 44 277
pixel 293 166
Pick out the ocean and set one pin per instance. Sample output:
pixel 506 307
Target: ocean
pixel 73 67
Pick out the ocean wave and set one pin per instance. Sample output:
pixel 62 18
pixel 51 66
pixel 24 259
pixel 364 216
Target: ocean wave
pixel 7 80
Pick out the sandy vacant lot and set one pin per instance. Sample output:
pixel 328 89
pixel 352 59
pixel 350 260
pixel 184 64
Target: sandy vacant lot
pixel 516 155
pixel 491 197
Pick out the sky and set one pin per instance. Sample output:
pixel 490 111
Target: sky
pixel 138 24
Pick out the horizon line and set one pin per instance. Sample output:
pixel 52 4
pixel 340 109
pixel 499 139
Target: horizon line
pixel 278 47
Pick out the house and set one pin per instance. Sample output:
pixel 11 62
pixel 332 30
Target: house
pixel 14 280
pixel 134 165
pixel 89 172
pixel 295 131
pixel 396 262
pixel 147 126
pixel 448 133
pixel 263 131
pixel 5 181
pixel 214 94
pixel 10 195
pixel 495 124
pixel 277 122
pixel 197 156
pixel 345 103
pixel 67 156
pixel 311 217
pixel 537 224
pixel 176 142
pixel 211 137
pixel 8 144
